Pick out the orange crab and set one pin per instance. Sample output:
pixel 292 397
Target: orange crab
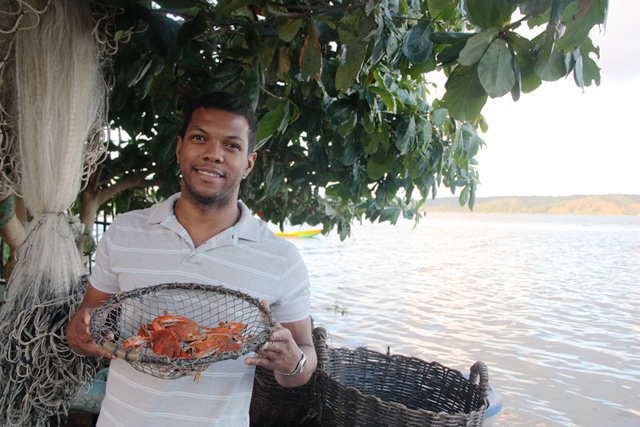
pixel 178 336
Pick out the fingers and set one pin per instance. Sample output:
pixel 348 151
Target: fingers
pixel 277 353
pixel 79 336
pixel 86 319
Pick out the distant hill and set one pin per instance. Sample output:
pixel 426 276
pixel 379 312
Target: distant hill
pixel 608 204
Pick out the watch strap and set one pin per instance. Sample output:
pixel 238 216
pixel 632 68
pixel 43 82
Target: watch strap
pixel 299 366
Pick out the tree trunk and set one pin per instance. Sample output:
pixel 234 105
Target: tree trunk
pixel 13 231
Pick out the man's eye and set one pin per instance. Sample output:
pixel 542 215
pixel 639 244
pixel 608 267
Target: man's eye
pixel 198 137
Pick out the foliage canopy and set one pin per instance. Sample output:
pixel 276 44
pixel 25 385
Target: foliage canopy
pixel 351 125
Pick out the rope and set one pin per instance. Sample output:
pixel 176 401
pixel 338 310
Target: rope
pixel 19 16
pixel 51 75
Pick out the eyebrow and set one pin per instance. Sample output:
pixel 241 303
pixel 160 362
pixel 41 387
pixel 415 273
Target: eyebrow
pixel 199 129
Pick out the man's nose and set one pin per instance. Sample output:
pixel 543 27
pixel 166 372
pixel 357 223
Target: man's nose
pixel 214 152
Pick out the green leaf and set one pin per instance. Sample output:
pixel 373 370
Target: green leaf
pixel 191 29
pixel 443 9
pixel 348 72
pixel 310 56
pixel 423 133
pixel 386 97
pixel 391 214
pixel 379 164
pixel 341 111
pixel 464 196
pixel 553 69
pixel 449 37
pixel 416 44
pixel 535 7
pixel 465 95
pixel 517 88
pixel 495 69
pixel 439 116
pixel 476 47
pixel 590 70
pixel 578 72
pixel 250 91
pixel 489 13
pixel 287 29
pixel 368 122
pixel 472 196
pixel 526 60
pixel 350 154
pixel 555 16
pixel 163 145
pixel 579 23
pixel 406 135
pixel 137 70
pixel 229 6
pixel 164 39
pixel 451 53
pixel 271 123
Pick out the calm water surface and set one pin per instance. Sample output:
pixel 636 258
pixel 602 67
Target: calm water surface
pixel 549 303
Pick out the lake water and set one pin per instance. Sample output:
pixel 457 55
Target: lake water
pixel 549 303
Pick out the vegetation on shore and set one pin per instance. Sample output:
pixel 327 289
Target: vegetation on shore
pixel 607 204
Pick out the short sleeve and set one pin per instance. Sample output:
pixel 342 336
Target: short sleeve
pixel 102 276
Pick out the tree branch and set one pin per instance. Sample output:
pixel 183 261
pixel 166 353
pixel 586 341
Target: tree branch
pixel 129 181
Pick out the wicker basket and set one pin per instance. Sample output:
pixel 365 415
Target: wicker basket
pixel 121 317
pixel 275 406
pixel 365 388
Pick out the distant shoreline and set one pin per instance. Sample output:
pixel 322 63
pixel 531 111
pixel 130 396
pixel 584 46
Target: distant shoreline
pixel 607 204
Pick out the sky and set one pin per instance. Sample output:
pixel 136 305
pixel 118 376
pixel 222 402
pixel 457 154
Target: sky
pixel 561 141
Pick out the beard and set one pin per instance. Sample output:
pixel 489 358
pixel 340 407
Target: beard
pixel 226 196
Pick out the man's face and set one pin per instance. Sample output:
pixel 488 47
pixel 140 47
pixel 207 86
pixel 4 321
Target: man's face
pixel 213 157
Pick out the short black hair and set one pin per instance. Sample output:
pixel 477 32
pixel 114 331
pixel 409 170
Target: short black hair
pixel 224 101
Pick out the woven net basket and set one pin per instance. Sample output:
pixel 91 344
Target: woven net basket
pixel 364 388
pixel 121 316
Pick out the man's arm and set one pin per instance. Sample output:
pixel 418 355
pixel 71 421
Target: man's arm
pixel 78 335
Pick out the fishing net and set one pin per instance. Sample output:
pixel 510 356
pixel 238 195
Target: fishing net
pixel 229 325
pixel 52 135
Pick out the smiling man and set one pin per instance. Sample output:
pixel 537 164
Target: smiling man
pixel 203 234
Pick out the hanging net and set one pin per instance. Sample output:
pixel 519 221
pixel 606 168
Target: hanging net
pixel 52 135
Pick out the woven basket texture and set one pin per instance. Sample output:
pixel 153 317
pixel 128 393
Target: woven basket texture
pixel 364 388
pixel 361 387
pixel 275 406
pixel 120 318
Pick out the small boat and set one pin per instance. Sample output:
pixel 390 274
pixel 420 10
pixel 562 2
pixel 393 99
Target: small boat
pixel 300 234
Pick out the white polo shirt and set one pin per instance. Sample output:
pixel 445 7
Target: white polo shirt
pixel 148 247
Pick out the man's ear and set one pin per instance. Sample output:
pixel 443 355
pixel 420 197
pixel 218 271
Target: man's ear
pixel 251 161
pixel 178 147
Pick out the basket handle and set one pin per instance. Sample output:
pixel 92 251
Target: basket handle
pixel 127 354
pixel 320 343
pixel 479 369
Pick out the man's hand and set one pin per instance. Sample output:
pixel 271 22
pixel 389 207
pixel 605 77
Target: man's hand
pixel 79 336
pixel 282 352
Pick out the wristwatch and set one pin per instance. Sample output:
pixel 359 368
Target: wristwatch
pixel 299 367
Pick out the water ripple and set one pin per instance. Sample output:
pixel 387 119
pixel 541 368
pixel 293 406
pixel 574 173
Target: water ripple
pixel 547 302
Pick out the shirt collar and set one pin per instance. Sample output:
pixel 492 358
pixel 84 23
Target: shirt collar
pixel 247 227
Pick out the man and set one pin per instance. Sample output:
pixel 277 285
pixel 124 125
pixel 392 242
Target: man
pixel 202 235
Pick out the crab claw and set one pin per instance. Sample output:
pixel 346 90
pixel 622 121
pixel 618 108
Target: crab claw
pixel 136 341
